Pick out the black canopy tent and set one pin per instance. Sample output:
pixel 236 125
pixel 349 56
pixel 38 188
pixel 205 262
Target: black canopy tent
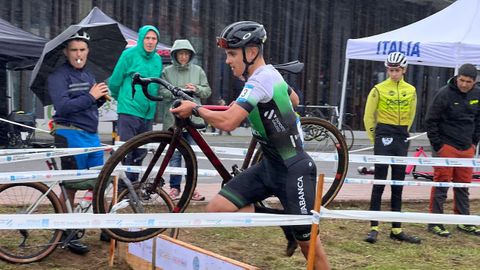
pixel 19 50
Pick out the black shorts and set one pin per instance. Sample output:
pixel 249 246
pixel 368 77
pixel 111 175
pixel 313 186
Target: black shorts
pixel 294 184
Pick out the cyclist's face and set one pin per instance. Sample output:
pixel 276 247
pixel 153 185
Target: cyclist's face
pixel 150 41
pixel 396 73
pixel 464 83
pixel 76 53
pixel 235 61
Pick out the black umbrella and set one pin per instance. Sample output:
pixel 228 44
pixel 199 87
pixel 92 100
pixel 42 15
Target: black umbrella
pixel 105 47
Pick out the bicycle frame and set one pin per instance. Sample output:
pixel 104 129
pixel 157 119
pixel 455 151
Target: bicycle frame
pixel 178 127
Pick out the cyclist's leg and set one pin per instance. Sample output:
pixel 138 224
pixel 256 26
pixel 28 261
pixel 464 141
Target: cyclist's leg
pixel 242 191
pixel 297 197
pixel 61 140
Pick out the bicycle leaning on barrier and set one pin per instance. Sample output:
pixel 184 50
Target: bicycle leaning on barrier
pixel 146 193
pixel 330 113
pixel 26 246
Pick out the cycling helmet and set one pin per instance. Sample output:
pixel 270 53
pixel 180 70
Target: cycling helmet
pixel 82 35
pixel 396 59
pixel 240 34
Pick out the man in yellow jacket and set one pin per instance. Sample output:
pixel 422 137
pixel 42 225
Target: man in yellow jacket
pixel 389 114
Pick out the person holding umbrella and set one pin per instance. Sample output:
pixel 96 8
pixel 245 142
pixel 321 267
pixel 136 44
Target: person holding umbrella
pixel 76 98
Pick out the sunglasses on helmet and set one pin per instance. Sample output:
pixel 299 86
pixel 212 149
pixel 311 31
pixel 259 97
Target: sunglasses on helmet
pixel 222 43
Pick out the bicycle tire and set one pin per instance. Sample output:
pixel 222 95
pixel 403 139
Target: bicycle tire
pixel 347 134
pixel 314 128
pixel 101 203
pixel 166 205
pixel 36 244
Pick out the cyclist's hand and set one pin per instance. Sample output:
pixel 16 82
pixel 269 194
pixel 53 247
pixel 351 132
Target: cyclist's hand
pixel 185 109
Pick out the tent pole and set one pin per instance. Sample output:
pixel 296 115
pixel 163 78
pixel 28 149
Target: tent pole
pixel 344 89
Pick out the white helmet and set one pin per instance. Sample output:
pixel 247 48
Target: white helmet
pixel 396 59
pixel 82 35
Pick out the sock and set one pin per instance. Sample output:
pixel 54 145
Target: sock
pixel 374 228
pixel 396 230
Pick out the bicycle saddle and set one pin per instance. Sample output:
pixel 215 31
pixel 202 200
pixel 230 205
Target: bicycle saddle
pixel 290 67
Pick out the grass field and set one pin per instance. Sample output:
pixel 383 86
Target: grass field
pixel 343 240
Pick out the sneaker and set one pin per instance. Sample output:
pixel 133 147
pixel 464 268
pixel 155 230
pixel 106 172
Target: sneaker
pixel 471 229
pixel 77 247
pixel 174 193
pixel 405 238
pixel 197 196
pixel 372 237
pixel 439 230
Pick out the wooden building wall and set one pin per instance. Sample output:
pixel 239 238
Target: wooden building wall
pixel 312 31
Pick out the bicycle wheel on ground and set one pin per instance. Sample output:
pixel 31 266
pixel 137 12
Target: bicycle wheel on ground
pixel 326 145
pixel 158 202
pixel 347 134
pixel 149 149
pixel 21 245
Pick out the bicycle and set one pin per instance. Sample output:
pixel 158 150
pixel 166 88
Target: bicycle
pixel 157 147
pixel 26 246
pixel 332 116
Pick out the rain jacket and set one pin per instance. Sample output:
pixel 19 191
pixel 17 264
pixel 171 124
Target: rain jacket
pixel 179 75
pixel 392 104
pixel 453 117
pixel 136 60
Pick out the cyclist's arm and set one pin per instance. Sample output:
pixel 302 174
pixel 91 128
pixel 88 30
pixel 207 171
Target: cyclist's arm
pixel 370 115
pixel 225 120
pixel 293 97
pixel 413 109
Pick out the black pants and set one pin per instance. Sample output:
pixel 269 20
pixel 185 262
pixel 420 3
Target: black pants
pixel 389 146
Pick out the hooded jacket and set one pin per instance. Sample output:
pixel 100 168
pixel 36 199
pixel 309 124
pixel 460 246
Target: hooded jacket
pixel 453 117
pixel 180 75
pixel 136 60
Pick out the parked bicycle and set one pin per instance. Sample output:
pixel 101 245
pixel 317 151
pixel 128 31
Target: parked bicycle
pixel 156 149
pixel 26 246
pixel 330 113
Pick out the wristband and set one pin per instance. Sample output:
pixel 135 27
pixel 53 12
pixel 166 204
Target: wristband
pixel 195 110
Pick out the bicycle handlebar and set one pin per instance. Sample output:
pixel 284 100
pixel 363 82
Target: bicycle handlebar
pixel 144 82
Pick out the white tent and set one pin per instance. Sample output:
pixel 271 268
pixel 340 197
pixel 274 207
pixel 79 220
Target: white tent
pixel 448 38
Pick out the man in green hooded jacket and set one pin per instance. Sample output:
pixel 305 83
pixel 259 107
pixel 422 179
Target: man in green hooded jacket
pixel 183 73
pixel 135 114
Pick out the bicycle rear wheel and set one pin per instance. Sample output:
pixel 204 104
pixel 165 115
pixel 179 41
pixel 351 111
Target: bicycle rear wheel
pixel 322 141
pixel 26 246
pixel 152 199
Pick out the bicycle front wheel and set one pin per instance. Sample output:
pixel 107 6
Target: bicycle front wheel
pixel 150 149
pixel 347 134
pixel 22 245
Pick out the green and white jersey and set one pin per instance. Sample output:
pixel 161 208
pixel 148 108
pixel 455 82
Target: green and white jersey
pixel 274 122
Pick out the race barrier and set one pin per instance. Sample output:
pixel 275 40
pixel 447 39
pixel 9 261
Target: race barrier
pixel 215 220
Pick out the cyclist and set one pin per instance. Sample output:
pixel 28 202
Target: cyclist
pixel 286 170
pixel 389 114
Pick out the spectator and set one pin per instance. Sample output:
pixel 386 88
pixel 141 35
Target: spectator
pixel 76 98
pixel 389 114
pixel 221 102
pixel 135 114
pixel 453 128
pixel 183 73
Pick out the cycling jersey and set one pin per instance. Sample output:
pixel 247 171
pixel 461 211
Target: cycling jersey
pixel 274 122
pixel 391 103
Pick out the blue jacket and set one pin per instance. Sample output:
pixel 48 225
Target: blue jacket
pixel 69 90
